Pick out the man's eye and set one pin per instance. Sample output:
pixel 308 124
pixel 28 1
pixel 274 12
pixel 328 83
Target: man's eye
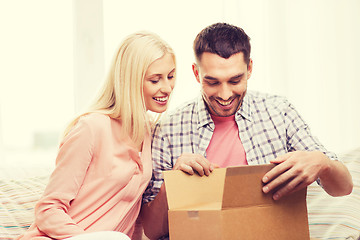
pixel 212 83
pixel 234 82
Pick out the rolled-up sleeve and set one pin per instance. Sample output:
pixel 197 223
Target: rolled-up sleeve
pixel 299 134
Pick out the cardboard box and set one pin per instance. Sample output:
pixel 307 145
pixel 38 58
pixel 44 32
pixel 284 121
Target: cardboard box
pixel 230 204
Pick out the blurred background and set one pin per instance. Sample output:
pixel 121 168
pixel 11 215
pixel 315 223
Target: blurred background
pixel 54 56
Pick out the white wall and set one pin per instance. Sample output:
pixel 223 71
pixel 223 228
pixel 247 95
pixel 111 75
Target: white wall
pixel 308 51
pixel 88 50
pixel 36 82
pixel 177 22
pixel 36 63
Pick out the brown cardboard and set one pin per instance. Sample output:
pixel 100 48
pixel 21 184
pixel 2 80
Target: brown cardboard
pixel 230 204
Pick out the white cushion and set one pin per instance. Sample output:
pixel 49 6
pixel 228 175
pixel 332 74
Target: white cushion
pixel 336 217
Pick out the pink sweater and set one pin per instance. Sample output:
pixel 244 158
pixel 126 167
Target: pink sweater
pixel 97 184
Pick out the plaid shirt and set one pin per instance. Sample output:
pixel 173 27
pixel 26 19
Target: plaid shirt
pixel 269 126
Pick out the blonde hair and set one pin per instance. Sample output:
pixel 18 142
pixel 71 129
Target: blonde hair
pixel 121 96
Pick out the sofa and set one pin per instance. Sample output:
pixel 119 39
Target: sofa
pixel 329 217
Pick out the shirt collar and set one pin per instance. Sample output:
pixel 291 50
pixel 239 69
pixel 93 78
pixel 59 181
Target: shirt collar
pixel 205 118
pixel 245 109
pixel 204 115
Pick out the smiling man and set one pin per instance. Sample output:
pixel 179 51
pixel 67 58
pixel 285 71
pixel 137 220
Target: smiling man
pixel 230 126
pixel 223 82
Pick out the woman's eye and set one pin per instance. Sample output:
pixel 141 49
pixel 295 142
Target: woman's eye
pixel 154 81
pixel 170 77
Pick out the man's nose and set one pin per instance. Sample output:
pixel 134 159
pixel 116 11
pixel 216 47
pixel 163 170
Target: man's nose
pixel 225 92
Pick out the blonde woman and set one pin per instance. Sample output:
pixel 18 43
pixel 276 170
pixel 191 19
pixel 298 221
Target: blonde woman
pixel 104 162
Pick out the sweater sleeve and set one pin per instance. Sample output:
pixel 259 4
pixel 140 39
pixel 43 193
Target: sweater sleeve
pixel 74 156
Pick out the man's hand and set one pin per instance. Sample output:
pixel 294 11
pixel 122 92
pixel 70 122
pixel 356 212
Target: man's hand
pixel 295 170
pixel 191 163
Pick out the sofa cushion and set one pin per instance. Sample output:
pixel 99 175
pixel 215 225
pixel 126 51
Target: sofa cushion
pixel 336 217
pixel 17 201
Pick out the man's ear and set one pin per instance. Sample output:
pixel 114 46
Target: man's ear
pixel 195 69
pixel 250 68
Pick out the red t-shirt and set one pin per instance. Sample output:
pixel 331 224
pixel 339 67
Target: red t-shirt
pixel 225 148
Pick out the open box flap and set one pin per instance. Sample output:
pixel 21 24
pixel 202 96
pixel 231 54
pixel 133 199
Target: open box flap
pixel 243 186
pixel 186 191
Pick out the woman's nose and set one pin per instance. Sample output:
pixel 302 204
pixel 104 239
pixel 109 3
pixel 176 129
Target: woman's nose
pixel 167 87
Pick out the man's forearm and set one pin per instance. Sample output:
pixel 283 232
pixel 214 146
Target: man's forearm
pixel 155 216
pixel 336 179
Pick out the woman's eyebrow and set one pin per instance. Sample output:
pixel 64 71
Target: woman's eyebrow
pixel 172 71
pixel 154 75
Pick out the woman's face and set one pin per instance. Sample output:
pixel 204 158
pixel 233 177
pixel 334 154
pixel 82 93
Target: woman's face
pixel 158 83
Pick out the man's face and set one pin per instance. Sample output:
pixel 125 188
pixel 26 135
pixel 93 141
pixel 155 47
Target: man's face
pixel 223 82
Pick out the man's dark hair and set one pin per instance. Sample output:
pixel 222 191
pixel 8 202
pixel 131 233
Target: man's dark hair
pixel 224 40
